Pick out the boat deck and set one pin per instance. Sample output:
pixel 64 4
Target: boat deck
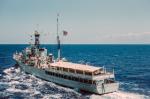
pixel 75 66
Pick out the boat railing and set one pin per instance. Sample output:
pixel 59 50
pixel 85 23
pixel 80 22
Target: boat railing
pixel 103 76
pixel 71 74
pixel 110 71
pixel 93 77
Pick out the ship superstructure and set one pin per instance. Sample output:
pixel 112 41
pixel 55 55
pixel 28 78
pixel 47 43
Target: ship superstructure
pixel 36 61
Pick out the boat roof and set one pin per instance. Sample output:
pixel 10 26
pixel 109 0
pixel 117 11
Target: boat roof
pixel 75 66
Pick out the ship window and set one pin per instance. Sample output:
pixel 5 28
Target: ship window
pixel 65 69
pixel 47 72
pixel 65 76
pixel 56 75
pixel 41 49
pixel 81 80
pixel 52 73
pixel 109 81
pixel 79 72
pixel 69 77
pixel 71 70
pixel 94 82
pixel 90 81
pixel 88 73
pixel 76 79
pixel 85 81
pixel 61 68
pixel 72 78
pixel 53 67
pixel 61 76
pixel 58 68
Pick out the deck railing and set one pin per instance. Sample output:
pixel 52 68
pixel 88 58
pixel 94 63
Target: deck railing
pixel 90 77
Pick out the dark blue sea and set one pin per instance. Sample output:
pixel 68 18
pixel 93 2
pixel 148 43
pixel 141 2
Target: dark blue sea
pixel 130 62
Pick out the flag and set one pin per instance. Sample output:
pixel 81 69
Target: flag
pixel 65 33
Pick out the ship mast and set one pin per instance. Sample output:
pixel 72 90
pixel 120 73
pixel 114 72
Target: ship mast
pixel 37 41
pixel 58 39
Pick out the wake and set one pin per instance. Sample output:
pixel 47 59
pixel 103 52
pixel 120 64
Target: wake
pixel 16 84
pixel 120 95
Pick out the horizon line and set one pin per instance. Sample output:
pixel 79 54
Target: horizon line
pixel 79 44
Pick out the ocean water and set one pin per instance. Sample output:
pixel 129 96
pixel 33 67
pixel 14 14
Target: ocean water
pixel 130 62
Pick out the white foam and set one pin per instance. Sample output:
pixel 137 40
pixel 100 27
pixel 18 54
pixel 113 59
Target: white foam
pixel 119 95
pixel 55 96
pixel 8 71
pixel 17 90
pixel 14 82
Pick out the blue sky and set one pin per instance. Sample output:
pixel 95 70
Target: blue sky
pixel 87 21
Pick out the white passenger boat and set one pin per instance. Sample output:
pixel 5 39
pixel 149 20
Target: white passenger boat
pixel 36 61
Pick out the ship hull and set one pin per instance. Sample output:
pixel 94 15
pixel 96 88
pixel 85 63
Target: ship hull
pixel 41 73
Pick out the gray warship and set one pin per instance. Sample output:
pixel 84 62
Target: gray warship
pixel 35 60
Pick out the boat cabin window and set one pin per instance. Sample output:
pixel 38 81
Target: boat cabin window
pixel 110 80
pixel 72 70
pixel 88 73
pixel 41 49
pixel 58 68
pixel 61 68
pixel 90 81
pixel 65 69
pixel 94 82
pixel 86 81
pixel 71 78
pixel 81 80
pixel 76 79
pixel 52 73
pixel 61 75
pixel 79 72
pixel 65 76
pixel 52 67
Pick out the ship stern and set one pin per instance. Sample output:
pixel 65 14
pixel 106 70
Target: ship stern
pixel 107 88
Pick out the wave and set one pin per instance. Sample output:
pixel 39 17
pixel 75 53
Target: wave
pixel 16 84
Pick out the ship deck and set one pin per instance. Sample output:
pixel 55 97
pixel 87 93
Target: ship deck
pixel 75 66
